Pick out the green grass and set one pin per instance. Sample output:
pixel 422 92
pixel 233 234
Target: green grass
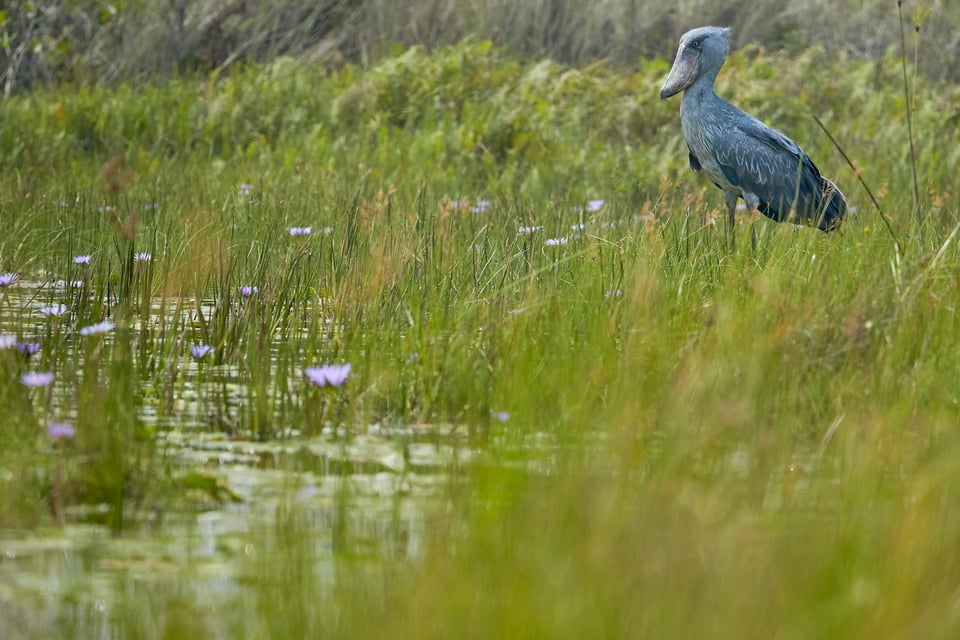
pixel 758 442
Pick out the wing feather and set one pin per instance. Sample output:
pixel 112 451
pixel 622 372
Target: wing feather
pixel 762 161
pixel 694 161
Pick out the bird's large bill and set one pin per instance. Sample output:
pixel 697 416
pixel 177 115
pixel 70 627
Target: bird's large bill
pixel 682 75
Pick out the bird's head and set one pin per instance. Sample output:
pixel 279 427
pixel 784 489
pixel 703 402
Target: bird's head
pixel 701 53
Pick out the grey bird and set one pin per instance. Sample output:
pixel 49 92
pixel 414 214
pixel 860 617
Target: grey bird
pixel 741 155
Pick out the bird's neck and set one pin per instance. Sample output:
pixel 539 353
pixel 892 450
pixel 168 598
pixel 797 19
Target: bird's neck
pixel 701 90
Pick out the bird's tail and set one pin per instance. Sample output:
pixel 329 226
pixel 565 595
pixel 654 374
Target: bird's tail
pixel 833 206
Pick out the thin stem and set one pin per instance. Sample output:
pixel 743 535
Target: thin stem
pixel 906 96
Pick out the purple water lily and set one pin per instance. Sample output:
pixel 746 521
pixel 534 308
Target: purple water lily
pixel 142 257
pixel 200 351
pixel 300 231
pixel 100 327
pixel 28 348
pixel 61 431
pixel 328 375
pixel 54 310
pixel 555 242
pixel 246 291
pixel 37 378
pixel 592 205
pixel 529 230
pixel 85 259
pixel 8 279
pixel 482 206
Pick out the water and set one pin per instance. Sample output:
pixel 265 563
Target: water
pixel 361 499
pixel 362 495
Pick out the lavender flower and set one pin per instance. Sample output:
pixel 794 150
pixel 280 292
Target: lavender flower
pixel 28 348
pixel 54 310
pixel 555 242
pixel 85 259
pixel 200 351
pixel 501 416
pixel 332 375
pixel 482 206
pixel 151 206
pixel 244 189
pixel 142 257
pixel 580 226
pixel 61 431
pixel 529 230
pixel 100 327
pixel 7 341
pixel 37 378
pixel 67 284
pixel 246 291
pixel 300 231
pixel 8 279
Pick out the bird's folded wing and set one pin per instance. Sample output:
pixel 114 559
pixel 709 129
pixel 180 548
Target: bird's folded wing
pixel 768 164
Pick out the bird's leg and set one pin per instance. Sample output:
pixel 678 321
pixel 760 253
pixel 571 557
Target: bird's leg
pixel 731 200
pixel 753 203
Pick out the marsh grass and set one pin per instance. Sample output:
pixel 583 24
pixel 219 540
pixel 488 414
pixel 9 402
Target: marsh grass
pixel 659 436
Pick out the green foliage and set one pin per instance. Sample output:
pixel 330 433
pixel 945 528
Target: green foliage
pixel 465 114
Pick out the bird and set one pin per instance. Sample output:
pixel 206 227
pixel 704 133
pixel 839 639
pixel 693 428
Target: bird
pixel 740 154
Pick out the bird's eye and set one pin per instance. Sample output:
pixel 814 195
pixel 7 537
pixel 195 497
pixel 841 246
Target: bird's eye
pixel 695 44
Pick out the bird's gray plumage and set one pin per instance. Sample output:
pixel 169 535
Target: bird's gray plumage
pixel 741 155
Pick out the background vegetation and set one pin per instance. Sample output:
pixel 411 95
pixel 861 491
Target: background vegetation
pixel 46 41
pixel 648 433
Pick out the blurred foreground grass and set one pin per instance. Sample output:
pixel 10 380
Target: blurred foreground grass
pixel 668 439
